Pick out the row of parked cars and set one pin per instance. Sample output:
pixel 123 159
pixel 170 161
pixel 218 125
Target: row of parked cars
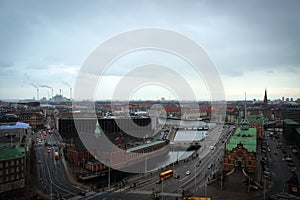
pixel 265 168
pixel 265 146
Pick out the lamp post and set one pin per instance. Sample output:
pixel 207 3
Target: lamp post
pixel 264 187
pixel 145 165
pixel 162 188
pixel 109 177
pixel 108 171
pixel 51 191
pixel 195 178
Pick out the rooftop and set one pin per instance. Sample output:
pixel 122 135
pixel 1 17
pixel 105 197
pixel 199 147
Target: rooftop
pixel 18 125
pixel 290 122
pixel 7 153
pixel 144 145
pixel 258 119
pixel 245 137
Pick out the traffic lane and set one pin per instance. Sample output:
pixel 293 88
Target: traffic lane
pixel 182 168
pixel 280 170
pixel 57 170
pixel 195 169
pixel 49 169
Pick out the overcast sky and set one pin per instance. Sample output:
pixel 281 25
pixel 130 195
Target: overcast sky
pixel 254 44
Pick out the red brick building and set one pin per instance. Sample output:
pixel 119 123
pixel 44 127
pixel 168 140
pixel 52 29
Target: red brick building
pixel 240 150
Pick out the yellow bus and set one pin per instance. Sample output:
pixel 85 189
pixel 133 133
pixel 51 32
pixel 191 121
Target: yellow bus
pixel 197 198
pixel 165 175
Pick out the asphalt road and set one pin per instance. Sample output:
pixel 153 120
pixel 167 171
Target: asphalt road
pixel 52 174
pixel 146 185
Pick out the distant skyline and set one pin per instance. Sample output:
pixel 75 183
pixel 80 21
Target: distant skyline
pixel 254 45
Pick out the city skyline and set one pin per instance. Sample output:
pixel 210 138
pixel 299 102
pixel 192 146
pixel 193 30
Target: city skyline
pixel 254 45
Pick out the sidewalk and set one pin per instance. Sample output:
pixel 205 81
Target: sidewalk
pixel 233 188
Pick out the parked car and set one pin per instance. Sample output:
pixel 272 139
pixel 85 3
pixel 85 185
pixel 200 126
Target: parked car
pixel 267 172
pixel 254 187
pixel 187 172
pixel 81 193
pixel 268 177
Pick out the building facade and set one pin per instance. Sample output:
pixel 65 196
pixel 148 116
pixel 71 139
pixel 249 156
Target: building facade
pixel 12 168
pixel 240 150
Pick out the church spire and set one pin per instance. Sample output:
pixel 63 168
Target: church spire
pixel 245 122
pixel 97 129
pixel 245 113
pixel 265 98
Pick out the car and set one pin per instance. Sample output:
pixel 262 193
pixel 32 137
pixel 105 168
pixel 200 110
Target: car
pixel 180 190
pixel 284 151
pixel 187 172
pixel 267 172
pixel 82 193
pixel 268 177
pixel 177 176
pixel 288 159
pixel 291 164
pixel 39 162
pixel 253 187
pixel 133 185
pixel 246 180
pixel 294 151
pixel 158 181
pixel 49 149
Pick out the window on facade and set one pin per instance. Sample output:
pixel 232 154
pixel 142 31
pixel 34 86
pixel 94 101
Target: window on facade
pixel 12 177
pixel 12 170
pixel 18 176
pixel 6 179
pixel 17 162
pixel 1 180
pixel 22 175
pixel 1 164
pixel 12 163
pixel 18 169
pixel 249 162
pixel 6 171
pixel 1 172
pixel 6 164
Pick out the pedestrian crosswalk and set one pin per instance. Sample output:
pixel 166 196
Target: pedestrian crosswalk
pixel 140 192
pixel 145 192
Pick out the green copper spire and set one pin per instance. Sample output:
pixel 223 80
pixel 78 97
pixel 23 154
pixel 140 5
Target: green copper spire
pixel 245 122
pixel 97 130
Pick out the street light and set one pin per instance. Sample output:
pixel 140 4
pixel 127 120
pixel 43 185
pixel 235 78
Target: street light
pixel 162 188
pixel 11 136
pixel 195 178
pixel 265 188
pixel 146 165
pixel 51 190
